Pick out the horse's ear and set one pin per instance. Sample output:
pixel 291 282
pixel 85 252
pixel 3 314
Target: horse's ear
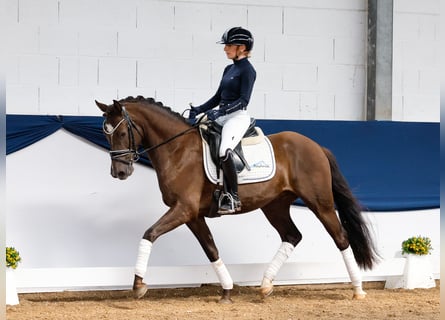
pixel 101 106
pixel 117 106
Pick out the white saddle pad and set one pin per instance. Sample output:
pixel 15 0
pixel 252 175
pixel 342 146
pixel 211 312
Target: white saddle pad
pixel 258 152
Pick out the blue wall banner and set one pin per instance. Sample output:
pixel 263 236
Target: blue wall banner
pixel 390 166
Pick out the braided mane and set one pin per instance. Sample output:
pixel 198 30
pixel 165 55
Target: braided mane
pixel 151 101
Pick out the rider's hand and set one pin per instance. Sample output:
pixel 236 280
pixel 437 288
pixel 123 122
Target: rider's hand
pixel 212 115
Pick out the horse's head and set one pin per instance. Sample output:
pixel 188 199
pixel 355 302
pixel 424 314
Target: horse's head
pixel 124 138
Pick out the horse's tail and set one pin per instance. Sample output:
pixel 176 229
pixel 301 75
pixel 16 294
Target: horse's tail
pixel 352 220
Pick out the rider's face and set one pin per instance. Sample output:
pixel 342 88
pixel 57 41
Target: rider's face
pixel 234 51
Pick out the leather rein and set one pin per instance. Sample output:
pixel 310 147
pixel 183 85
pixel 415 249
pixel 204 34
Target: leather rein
pixel 132 150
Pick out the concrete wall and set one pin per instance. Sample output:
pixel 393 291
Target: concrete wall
pixel 416 72
pixel 310 55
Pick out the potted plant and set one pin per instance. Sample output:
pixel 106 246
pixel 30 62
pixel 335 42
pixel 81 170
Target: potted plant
pixel 417 245
pixel 417 272
pixel 12 261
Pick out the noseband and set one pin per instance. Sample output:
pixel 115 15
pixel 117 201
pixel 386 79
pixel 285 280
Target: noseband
pixel 118 154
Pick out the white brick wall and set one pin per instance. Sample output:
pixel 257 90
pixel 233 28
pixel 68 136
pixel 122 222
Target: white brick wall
pixel 416 75
pixel 310 55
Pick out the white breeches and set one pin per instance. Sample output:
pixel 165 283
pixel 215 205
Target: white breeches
pixel 234 126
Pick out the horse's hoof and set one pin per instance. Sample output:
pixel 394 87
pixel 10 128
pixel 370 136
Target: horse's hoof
pixel 225 297
pixel 359 296
pixel 266 291
pixel 140 291
pixel 225 300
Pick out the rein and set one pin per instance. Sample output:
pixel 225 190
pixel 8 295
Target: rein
pixel 117 154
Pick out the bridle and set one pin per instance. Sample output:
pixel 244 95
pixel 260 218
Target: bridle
pixel 117 155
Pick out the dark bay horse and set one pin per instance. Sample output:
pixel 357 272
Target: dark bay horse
pixel 304 170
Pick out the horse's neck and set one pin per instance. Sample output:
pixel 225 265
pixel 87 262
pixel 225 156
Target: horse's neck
pixel 160 127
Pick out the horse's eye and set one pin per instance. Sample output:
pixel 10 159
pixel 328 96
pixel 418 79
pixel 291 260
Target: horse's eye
pixel 122 134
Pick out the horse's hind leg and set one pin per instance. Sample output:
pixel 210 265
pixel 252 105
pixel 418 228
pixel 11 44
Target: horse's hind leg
pixel 202 232
pixel 278 214
pixel 325 212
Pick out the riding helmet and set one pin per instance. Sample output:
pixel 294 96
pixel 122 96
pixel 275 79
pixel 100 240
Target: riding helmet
pixel 237 36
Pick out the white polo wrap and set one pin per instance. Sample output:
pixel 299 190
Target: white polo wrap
pixel 142 259
pixel 223 274
pixel 277 262
pixel 352 267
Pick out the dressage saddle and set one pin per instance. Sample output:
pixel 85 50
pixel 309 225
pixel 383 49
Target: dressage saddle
pixel 211 133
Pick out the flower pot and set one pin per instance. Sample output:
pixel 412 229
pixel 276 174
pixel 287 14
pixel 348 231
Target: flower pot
pixel 12 297
pixel 416 274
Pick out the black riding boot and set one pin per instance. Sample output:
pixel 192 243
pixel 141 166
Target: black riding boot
pixel 229 201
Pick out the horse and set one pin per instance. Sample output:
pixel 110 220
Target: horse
pixel 304 170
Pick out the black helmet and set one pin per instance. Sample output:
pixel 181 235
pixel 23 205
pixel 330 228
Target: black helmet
pixel 237 36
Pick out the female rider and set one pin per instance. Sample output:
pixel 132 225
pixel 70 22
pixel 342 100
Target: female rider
pixel 231 98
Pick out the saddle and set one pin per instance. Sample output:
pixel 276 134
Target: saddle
pixel 211 133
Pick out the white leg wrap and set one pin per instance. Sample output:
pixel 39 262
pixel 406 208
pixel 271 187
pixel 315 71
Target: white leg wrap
pixel 142 259
pixel 277 262
pixel 223 274
pixel 352 267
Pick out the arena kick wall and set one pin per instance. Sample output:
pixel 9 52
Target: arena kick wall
pixel 311 61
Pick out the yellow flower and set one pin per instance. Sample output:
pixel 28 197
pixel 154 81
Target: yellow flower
pixel 12 257
pixel 417 245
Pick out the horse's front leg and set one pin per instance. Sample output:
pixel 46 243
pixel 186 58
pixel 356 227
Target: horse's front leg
pixel 202 233
pixel 171 220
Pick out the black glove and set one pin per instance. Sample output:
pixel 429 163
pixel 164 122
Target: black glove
pixel 193 112
pixel 212 115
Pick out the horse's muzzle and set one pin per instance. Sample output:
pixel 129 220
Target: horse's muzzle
pixel 121 170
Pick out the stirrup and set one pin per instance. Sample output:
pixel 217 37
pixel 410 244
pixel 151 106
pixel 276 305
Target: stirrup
pixel 231 205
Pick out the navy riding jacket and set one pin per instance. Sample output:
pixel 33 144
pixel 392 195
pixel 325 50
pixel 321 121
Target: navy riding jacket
pixel 235 88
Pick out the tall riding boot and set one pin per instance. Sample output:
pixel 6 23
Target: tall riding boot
pixel 229 201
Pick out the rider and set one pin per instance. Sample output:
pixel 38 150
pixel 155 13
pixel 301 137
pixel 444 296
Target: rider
pixel 231 98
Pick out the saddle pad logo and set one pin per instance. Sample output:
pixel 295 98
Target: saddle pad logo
pixel 260 158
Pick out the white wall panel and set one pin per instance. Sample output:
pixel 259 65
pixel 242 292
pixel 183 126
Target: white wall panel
pixel 98 13
pixel 42 12
pixel 59 100
pixel 191 75
pixel 191 18
pixel 58 41
pixel 139 43
pixel 69 71
pixel 224 16
pixel 24 98
pixel 347 106
pixel 341 79
pixel 300 77
pixel 19 39
pixel 282 105
pixel 98 42
pixel 154 74
pixel 88 94
pixel 39 70
pixel 265 20
pixel 347 23
pixel 117 72
pixel 269 76
pixel 349 51
pixel 296 49
pixel 9 13
pixel 416 92
pixel 157 16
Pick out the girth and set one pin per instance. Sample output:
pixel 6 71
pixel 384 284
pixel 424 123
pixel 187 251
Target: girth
pixel 211 133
